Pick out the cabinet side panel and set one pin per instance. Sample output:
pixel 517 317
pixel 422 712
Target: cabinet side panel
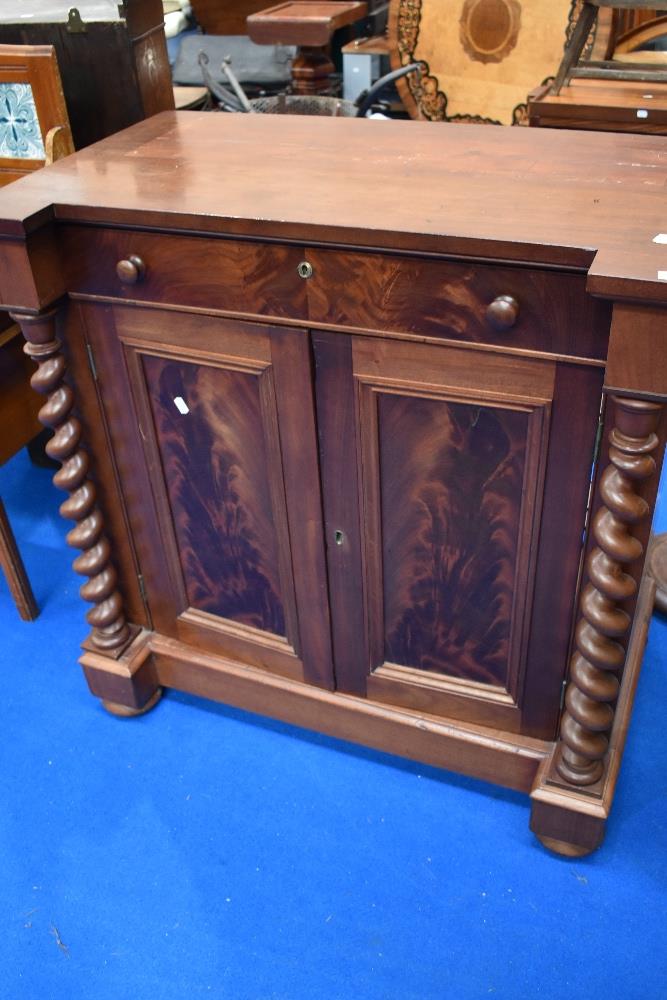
pixel 574 421
pixel 106 462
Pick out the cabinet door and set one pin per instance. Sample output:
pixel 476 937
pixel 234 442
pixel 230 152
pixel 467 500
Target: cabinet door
pixel 212 427
pixel 434 461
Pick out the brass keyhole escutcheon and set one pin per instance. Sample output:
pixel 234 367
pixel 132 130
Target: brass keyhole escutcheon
pixel 305 269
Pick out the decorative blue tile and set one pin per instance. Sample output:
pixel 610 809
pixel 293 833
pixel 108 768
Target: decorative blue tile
pixel 20 137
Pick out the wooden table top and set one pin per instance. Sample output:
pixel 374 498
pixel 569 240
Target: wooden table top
pixel 581 200
pixel 631 94
pixel 303 22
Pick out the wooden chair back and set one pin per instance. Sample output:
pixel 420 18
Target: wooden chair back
pixel 645 29
pixel 34 131
pixel 34 125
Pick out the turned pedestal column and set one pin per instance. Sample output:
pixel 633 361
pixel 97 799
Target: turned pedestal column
pixel 574 789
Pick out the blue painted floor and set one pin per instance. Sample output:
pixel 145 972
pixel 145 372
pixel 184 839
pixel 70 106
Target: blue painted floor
pixel 203 852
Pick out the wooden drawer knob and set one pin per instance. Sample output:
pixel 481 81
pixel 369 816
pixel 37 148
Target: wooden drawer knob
pixel 503 312
pixel 131 270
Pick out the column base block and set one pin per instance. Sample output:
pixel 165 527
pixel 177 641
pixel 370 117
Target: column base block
pixel 127 685
pixel 566 822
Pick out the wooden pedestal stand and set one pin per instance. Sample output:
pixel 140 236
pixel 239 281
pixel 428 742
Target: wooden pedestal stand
pixel 310 26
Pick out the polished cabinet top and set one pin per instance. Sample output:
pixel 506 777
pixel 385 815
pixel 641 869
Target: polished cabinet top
pixel 592 201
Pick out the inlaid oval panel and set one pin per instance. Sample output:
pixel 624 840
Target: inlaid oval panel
pixel 490 28
pixel 481 58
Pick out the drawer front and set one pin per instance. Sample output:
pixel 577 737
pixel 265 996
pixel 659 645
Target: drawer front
pixel 509 307
pixel 468 302
pixel 191 271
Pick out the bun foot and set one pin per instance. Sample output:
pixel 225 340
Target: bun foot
pixel 126 712
pixel 563 848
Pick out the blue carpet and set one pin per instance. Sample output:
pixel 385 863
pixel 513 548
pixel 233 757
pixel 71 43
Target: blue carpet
pixel 203 852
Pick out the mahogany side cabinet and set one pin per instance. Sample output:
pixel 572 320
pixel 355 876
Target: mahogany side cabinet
pixel 361 426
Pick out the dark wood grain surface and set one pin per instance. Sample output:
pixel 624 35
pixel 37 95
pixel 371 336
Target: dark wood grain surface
pixel 539 195
pixel 187 271
pixel 336 423
pixel 391 362
pixel 552 313
pixel 437 298
pixel 215 468
pixel 638 337
pixel 432 564
pixel 557 547
pixel 303 22
pixel 451 487
pixel 222 501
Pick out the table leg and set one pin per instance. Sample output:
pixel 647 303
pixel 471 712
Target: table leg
pixel 14 570
pixel 656 566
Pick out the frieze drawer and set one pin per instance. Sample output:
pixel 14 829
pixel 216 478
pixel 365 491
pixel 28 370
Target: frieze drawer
pixel 513 307
pixel 236 277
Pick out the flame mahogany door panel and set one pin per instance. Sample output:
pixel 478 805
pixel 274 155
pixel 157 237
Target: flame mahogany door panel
pixel 434 465
pixel 215 439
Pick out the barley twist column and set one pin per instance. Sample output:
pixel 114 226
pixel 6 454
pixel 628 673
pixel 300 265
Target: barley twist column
pixel 110 631
pixel 603 623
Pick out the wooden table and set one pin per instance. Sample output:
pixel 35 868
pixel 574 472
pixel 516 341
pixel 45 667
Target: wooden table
pixel 606 105
pixel 18 426
pixel 327 429
pixel 656 567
